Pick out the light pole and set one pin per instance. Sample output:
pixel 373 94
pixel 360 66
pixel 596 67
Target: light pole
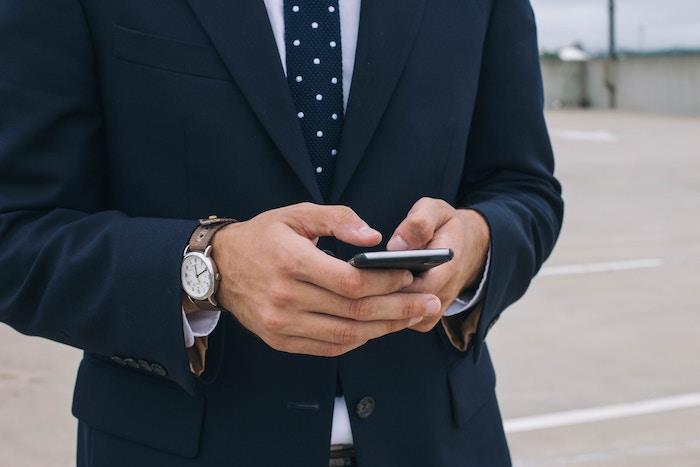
pixel 612 48
pixel 612 57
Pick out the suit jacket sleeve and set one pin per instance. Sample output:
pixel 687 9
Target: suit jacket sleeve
pixel 508 173
pixel 71 269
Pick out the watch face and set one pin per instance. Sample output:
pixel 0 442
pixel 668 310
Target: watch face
pixel 197 276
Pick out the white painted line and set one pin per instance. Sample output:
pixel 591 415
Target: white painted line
pixel 596 136
pixel 601 267
pixel 596 414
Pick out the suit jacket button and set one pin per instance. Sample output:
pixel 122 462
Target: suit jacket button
pixel 118 360
pixel 131 362
pixel 365 407
pixel 158 370
pixel 144 365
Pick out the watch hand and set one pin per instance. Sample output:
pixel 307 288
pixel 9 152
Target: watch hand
pixel 200 273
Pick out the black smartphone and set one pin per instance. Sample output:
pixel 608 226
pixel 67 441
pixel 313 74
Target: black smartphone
pixel 416 261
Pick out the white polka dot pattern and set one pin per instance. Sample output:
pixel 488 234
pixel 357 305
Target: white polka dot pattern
pixel 314 74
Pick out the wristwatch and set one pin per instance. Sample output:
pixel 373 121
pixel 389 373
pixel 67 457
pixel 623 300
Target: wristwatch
pixel 199 275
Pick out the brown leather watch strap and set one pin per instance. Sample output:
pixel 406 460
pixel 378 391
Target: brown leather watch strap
pixel 201 237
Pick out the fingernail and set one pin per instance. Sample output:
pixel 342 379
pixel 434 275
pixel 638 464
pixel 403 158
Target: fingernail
pixel 407 279
pixel 432 306
pixel 367 230
pixel 415 320
pixel 397 243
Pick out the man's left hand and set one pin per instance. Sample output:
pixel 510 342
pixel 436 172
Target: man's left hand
pixel 433 223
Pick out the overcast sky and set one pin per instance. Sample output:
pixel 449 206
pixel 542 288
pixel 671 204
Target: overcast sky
pixel 645 24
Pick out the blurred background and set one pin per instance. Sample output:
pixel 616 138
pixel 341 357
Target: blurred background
pixel 598 365
pixel 637 55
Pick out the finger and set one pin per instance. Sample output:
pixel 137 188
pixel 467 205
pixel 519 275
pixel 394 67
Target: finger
pixel 341 222
pixel 306 346
pixel 394 306
pixel 426 324
pixel 420 224
pixel 431 281
pixel 343 331
pixel 348 281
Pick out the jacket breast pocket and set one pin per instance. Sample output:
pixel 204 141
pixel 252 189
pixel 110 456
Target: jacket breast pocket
pixel 137 407
pixel 167 54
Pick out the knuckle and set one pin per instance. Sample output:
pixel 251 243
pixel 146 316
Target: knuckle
pixel 284 257
pixel 420 227
pixel 278 257
pixel 444 204
pixel 409 309
pixel 285 265
pixel 398 280
pixel 352 284
pixel 279 295
pixel 275 343
pixel 343 214
pixel 344 335
pixel 394 326
pixel 299 210
pixel 358 309
pixel 290 262
pixel 332 350
pixel 302 208
pixel 273 322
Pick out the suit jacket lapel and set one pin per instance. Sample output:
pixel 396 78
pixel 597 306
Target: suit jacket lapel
pixel 387 32
pixel 240 31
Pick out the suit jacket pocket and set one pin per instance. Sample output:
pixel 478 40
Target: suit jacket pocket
pixel 138 407
pixel 471 385
pixel 167 54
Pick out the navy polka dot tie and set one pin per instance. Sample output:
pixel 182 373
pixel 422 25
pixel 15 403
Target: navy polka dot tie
pixel 315 77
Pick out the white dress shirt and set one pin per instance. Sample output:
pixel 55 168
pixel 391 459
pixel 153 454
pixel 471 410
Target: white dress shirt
pixel 200 324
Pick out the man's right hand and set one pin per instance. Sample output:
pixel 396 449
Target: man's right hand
pixel 299 299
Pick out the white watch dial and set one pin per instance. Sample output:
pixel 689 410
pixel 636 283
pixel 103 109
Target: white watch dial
pixel 197 276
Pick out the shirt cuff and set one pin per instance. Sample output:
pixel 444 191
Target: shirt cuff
pixel 468 300
pixel 199 324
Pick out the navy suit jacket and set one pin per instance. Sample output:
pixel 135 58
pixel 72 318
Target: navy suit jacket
pixel 121 122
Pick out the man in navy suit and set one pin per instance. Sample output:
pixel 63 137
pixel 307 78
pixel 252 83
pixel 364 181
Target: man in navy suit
pixel 317 125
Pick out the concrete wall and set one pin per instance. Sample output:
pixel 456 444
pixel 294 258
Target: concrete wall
pixel 663 84
pixel 564 83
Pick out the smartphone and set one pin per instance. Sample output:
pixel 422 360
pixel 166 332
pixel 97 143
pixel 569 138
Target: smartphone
pixel 416 261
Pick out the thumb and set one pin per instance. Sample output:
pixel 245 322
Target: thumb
pixel 341 222
pixel 418 228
